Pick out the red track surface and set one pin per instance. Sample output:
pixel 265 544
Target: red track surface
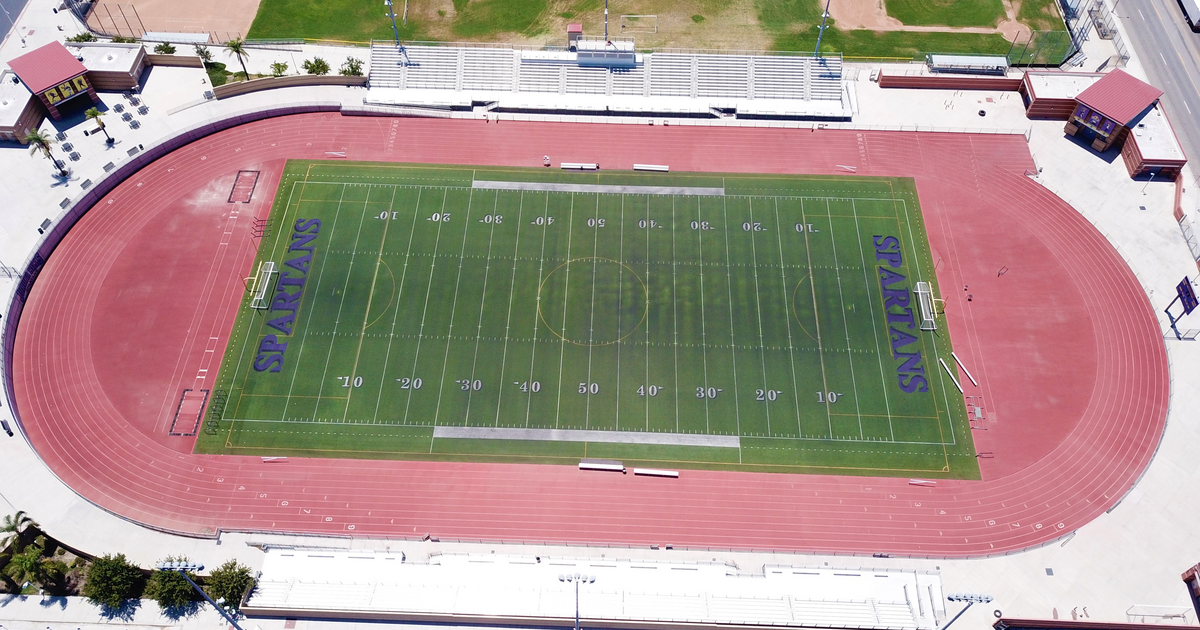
pixel 1068 355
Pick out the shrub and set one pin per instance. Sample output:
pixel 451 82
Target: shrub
pixel 230 581
pixel 82 37
pixel 111 580
pixel 316 65
pixel 164 49
pixel 203 53
pixel 352 67
pixel 217 74
pixel 119 39
pixel 279 68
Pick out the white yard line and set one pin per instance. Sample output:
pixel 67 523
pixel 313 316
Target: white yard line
pixel 399 294
pixel 541 267
pixel 425 306
pixel 487 269
pixel 341 304
pixel 620 292
pixel 762 351
pixel 732 341
pixel 508 320
pixel 703 324
pixel 587 403
pixel 370 300
pixel 786 314
pixel 453 309
pixel 647 346
pixel 562 349
pixel 845 325
pixel 675 309
pixel 816 313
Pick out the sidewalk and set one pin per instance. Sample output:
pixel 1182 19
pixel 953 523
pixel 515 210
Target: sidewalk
pixel 1130 556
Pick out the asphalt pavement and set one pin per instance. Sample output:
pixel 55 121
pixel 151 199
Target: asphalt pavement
pixel 11 10
pixel 1170 54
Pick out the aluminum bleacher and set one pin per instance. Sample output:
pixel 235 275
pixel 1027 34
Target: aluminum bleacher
pixel 469 589
pixel 670 82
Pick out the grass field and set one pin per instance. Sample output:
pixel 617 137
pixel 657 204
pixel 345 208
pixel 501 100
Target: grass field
pixel 733 322
pixel 783 25
pixel 987 13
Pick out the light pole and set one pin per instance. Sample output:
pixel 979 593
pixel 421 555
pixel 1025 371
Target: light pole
pixel 392 14
pixel 182 568
pixel 577 579
pixel 970 598
pixel 824 16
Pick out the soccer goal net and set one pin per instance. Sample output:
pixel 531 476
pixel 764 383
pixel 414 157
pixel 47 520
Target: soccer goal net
pixel 925 301
pixel 260 283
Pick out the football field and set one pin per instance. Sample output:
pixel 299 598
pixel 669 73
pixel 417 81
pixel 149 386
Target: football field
pixel 746 322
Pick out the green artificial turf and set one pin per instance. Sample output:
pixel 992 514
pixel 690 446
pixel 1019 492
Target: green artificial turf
pixel 427 302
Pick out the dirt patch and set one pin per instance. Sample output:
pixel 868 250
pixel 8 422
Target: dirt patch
pixel 726 25
pixel 872 15
pixel 222 19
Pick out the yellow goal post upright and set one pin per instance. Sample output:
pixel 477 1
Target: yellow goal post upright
pixel 260 283
pixel 929 306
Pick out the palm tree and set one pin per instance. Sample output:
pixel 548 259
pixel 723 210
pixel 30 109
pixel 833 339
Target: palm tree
pixel 95 114
pixel 27 566
pixel 39 141
pixel 15 525
pixel 237 48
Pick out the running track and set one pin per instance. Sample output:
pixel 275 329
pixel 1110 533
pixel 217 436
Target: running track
pixel 1068 354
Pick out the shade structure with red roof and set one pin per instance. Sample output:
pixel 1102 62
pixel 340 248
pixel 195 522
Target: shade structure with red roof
pixel 1106 108
pixel 1119 96
pixel 54 75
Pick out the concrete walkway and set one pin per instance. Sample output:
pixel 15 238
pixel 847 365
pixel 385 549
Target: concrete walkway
pixel 1131 556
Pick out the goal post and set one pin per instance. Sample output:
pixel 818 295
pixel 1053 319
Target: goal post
pixel 926 303
pixel 260 283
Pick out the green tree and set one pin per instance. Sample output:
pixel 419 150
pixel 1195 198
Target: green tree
pixel 111 580
pixel 279 68
pixel 230 581
pixel 82 37
pixel 164 49
pixel 203 53
pixel 39 141
pixel 120 39
pixel 96 115
pixel 352 67
pixel 237 48
pixel 169 588
pixel 316 65
pixel 14 527
pixel 28 566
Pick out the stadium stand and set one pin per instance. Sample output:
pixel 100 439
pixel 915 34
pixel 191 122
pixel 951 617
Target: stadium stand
pixel 785 86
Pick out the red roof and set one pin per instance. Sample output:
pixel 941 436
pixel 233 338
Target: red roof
pixel 575 27
pixel 46 67
pixel 1119 96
